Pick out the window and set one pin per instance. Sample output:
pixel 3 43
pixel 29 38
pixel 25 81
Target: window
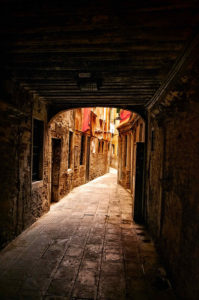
pixel 113 149
pixel 37 161
pixel 125 151
pixel 82 149
pixel 102 147
pixel 70 149
pixel 98 146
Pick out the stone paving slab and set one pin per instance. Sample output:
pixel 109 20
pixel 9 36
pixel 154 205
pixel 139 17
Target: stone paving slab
pixel 85 248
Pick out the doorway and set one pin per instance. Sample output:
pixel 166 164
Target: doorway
pixel 56 158
pixel 88 158
pixel 139 173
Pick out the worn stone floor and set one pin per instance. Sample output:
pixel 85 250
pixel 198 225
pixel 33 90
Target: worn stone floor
pixel 86 247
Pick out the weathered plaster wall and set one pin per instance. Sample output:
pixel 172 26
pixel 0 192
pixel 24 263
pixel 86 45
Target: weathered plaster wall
pixel 114 149
pixel 173 178
pixel 134 131
pixel 124 179
pixel 114 161
pixel 98 158
pixel 79 170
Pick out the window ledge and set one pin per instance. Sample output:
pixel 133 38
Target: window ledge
pixel 69 171
pixel 37 184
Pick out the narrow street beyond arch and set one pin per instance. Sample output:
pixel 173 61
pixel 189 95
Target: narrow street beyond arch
pixel 85 247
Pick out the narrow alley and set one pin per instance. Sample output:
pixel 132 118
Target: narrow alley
pixel 85 247
pixel 86 86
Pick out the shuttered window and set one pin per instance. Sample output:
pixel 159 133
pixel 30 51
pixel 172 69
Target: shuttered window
pixel 70 149
pixel 82 149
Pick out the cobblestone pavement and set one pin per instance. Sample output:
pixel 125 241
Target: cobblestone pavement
pixel 86 247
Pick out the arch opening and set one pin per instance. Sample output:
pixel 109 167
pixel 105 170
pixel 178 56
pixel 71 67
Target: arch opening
pixel 84 143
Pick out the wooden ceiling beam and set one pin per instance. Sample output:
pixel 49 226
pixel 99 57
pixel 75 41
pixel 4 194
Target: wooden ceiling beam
pixel 130 42
pixel 107 101
pixel 96 96
pixel 154 34
pixel 113 88
pixel 94 67
pixel 146 57
pixel 97 16
pixel 100 92
pixel 58 51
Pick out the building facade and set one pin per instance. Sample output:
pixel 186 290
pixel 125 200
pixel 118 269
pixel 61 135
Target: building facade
pixel 113 149
pixel 77 152
pixel 131 154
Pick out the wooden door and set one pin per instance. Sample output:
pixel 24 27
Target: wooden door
pixel 139 180
pixel 56 158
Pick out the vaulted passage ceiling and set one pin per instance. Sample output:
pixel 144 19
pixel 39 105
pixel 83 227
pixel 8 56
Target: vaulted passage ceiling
pixel 94 52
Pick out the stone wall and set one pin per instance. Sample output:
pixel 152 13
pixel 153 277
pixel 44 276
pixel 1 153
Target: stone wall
pixel 18 209
pixel 98 158
pixel 39 203
pixel 173 178
pixel 79 170
pixel 75 175
pixel 114 161
pixel 23 201
pixel 59 129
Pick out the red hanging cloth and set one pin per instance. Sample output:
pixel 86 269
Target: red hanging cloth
pixel 124 115
pixel 86 124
